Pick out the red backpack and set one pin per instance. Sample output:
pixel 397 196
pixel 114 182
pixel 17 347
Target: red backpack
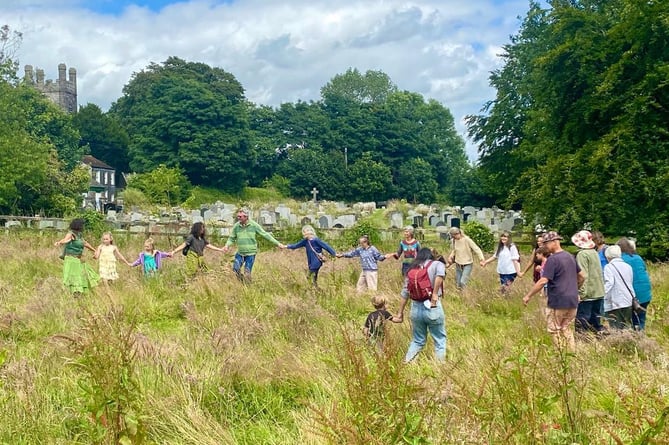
pixel 418 283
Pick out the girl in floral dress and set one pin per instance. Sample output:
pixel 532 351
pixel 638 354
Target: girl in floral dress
pixel 106 253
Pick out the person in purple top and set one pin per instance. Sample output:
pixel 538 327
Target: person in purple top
pixel 369 258
pixel 314 247
pixel 563 278
pixel 150 258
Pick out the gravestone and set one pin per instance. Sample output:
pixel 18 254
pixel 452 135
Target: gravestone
pixel 396 220
pixel 324 222
pixel 45 224
pixel 455 222
pixel 434 219
pixel 208 215
pixel 283 211
pixel 136 216
pixel 418 221
pixel 345 221
pixel 305 220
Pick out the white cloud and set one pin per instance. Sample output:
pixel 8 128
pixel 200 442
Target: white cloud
pixel 279 51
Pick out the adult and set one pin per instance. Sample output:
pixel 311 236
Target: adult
pixel 369 259
pixel 591 294
pixel 314 247
pixel 463 250
pixel 640 280
pixel 78 276
pixel 195 243
pixel 508 261
pixel 618 278
pixel 428 316
pixel 534 263
pixel 600 246
pixel 562 277
pixel 408 249
pixel 244 235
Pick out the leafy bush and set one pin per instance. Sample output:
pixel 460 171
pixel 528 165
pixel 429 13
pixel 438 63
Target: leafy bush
pixel 362 227
pixel 480 234
pixel 94 223
pixel 163 185
pixel 134 197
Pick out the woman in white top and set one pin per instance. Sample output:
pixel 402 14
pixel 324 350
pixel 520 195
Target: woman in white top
pixel 508 261
pixel 618 289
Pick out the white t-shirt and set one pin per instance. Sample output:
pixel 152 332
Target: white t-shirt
pixel 505 260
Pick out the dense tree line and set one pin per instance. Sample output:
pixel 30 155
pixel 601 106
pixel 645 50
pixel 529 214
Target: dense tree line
pixel 577 134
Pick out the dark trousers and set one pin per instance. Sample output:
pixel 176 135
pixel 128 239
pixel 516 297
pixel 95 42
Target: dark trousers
pixel 589 314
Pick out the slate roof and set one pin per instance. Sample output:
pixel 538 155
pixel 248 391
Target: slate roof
pixel 96 163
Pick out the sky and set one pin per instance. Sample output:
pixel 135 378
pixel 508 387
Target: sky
pixel 280 50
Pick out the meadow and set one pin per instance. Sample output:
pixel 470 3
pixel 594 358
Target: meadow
pixel 214 361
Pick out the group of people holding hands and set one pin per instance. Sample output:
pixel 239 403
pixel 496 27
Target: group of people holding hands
pixel 599 282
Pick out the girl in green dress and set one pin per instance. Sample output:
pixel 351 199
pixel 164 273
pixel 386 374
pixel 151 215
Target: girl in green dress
pixel 78 277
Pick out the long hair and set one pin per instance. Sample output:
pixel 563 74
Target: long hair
pixel 424 254
pixel 198 230
pixel 501 244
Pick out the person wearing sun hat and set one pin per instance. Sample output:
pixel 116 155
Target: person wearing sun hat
pixel 591 293
pixel 563 277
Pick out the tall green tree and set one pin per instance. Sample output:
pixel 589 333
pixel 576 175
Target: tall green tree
pixel 592 141
pixel 104 136
pixel 369 180
pixel 188 115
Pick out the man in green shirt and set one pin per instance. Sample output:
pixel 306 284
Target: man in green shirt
pixel 244 235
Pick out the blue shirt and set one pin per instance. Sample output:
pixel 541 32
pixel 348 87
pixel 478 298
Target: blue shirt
pixel 368 257
pixel 313 247
pixel 640 278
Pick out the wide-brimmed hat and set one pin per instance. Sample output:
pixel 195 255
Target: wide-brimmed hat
pixel 551 236
pixel 583 240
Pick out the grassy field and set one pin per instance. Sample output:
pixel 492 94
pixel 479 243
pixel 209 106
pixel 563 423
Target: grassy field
pixel 212 361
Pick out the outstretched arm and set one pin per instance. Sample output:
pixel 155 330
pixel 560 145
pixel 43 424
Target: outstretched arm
pixel 179 248
pixel 66 239
pixel 119 255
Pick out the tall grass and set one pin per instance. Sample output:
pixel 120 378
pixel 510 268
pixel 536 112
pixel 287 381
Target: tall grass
pixel 214 361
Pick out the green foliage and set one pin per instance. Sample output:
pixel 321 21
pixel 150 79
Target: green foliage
pixel 133 197
pixel 94 223
pixel 370 410
pixel 9 44
pixel 278 183
pixel 163 185
pixel 106 139
pixel 582 107
pixel 480 234
pixel 33 135
pixel 104 354
pixel 362 227
pixel 369 180
pixel 416 181
pixel 352 86
pixel 187 115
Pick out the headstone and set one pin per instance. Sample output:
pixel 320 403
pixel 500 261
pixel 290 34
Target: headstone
pixel 418 221
pixel 324 221
pixel 314 193
pixel 12 223
pixel 305 220
pixel 455 222
pixel 396 220
pixel 283 211
pixel 136 216
pixel 434 219
pixel 208 215
pixel 345 221
pixel 45 224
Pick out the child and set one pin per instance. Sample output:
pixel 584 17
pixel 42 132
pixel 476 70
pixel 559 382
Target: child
pixel 314 247
pixel 541 255
pixel 369 258
pixel 508 262
pixel 106 254
pixel 193 249
pixel 150 259
pixel 374 325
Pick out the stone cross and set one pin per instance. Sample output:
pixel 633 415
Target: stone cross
pixel 314 192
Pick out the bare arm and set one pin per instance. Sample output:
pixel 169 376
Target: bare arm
pixel 120 256
pixel 535 289
pixel 66 239
pixel 179 248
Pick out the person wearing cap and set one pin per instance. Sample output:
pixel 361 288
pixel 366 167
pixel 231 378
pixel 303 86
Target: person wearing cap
pixel 244 235
pixel 591 293
pixel 408 248
pixel 618 278
pixel 463 250
pixel 640 282
pixel 562 277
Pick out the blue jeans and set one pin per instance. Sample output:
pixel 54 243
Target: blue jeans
pixel 247 260
pixel 424 320
pixel 589 314
pixel 462 274
pixel 639 320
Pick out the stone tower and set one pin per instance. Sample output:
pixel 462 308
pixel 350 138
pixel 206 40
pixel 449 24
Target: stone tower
pixel 63 92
